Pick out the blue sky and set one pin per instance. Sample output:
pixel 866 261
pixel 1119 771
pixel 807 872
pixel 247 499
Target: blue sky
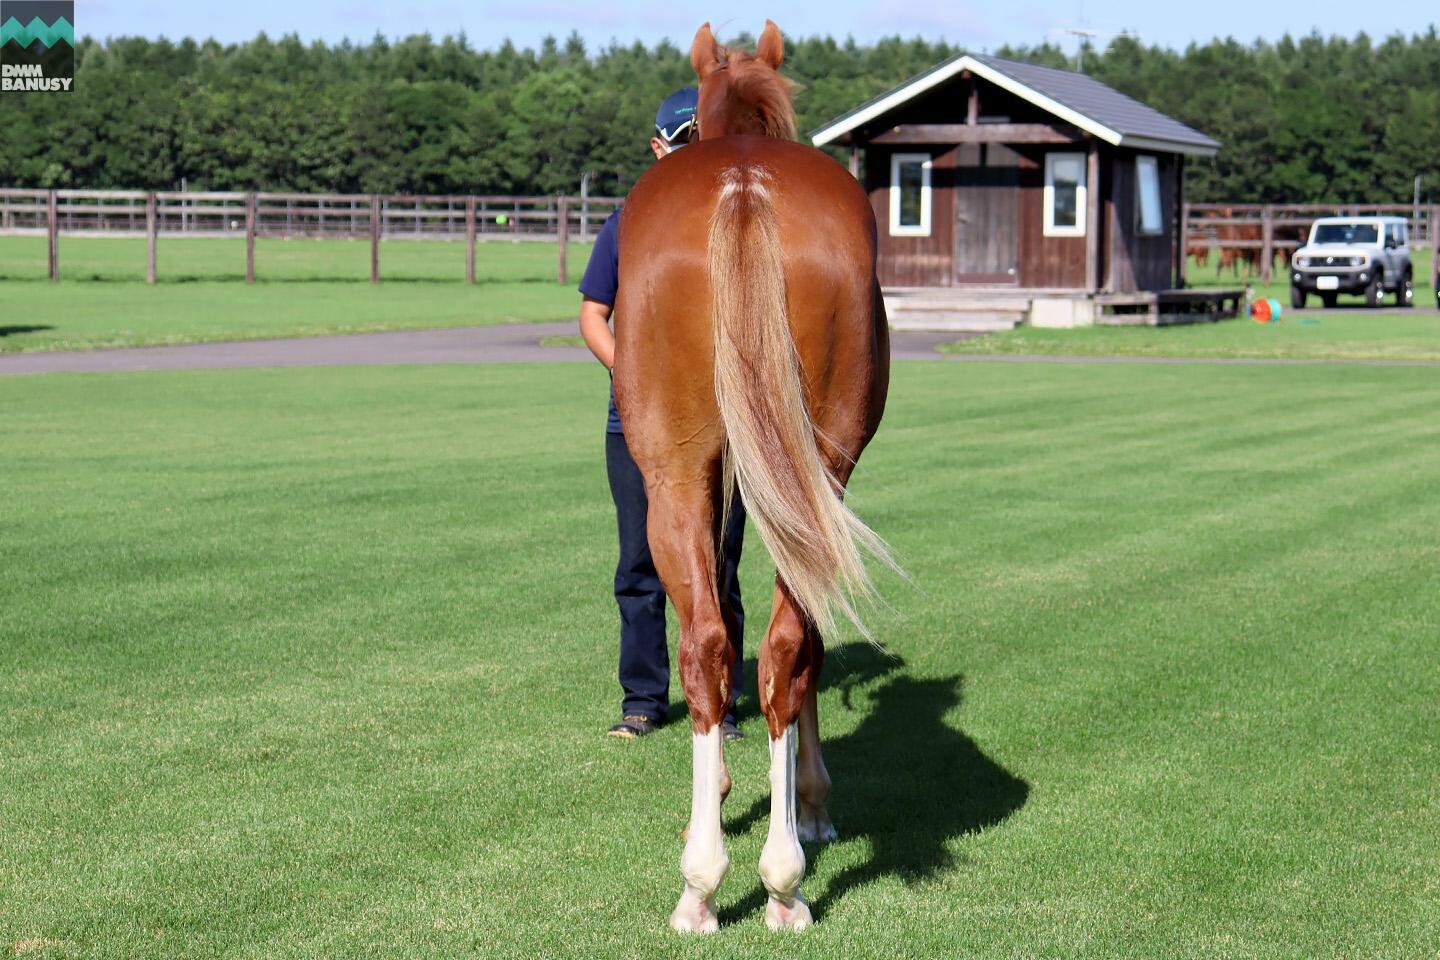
pixel 975 25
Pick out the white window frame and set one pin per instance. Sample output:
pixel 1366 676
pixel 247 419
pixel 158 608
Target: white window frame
pixel 911 230
pixel 1140 162
pixel 1081 197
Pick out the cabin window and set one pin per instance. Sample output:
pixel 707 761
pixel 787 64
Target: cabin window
pixel 910 195
pixel 1064 194
pixel 1148 221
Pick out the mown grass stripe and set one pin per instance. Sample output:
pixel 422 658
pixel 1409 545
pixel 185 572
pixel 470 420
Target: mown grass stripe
pixel 316 662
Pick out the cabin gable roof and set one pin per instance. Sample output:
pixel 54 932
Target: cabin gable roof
pixel 1082 101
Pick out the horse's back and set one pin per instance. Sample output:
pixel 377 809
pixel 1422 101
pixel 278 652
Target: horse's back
pixel 823 214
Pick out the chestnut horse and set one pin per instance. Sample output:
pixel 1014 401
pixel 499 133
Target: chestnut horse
pixel 751 347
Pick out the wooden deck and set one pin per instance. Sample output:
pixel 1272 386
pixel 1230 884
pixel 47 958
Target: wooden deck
pixel 991 308
pixel 1165 307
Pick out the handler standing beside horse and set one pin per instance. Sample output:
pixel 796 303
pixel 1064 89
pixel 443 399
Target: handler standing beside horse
pixel 644 657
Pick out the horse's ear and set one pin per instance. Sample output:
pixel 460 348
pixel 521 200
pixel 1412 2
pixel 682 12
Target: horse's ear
pixel 772 46
pixel 704 52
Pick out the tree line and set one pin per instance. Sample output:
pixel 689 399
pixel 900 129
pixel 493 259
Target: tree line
pixel 1307 120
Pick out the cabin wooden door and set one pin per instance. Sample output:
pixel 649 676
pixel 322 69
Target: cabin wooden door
pixel 987 192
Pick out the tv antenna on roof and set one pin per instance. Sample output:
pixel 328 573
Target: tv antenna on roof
pixel 1086 35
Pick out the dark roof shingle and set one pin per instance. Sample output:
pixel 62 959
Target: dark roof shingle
pixel 1103 104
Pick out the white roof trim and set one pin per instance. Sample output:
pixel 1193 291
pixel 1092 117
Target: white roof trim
pixel 1169 146
pixel 1007 82
pixel 922 83
pixel 930 80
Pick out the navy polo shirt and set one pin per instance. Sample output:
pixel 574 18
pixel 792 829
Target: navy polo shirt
pixel 602 277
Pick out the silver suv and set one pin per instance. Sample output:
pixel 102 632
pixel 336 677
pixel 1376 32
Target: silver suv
pixel 1364 255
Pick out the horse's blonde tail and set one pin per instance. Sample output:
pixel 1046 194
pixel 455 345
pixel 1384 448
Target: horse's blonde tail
pixel 772 448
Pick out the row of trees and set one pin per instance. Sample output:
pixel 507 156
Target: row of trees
pixel 1308 120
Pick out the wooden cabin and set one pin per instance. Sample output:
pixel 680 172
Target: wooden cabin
pixel 1036 193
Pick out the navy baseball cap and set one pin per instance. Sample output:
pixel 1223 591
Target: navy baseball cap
pixel 675 120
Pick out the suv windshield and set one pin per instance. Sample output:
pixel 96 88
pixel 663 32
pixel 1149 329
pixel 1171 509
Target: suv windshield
pixel 1345 233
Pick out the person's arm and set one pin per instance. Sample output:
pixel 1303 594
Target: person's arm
pixel 595 328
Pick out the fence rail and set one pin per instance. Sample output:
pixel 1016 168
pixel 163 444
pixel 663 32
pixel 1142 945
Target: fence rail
pixel 1252 234
pixel 476 218
pixel 1255 233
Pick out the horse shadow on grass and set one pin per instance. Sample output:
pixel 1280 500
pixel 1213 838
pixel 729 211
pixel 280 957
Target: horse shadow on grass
pixel 904 779
pixel 8 329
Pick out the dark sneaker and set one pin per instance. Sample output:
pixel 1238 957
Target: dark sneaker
pixel 634 726
pixel 729 731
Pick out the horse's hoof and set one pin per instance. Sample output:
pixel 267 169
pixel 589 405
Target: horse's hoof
pixel 693 915
pixel 794 916
pixel 814 826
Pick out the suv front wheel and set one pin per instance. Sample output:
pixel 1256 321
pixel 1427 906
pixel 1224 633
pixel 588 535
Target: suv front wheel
pixel 1376 291
pixel 1297 297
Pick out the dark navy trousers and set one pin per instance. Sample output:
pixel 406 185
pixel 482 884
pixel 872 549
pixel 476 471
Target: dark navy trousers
pixel 644 658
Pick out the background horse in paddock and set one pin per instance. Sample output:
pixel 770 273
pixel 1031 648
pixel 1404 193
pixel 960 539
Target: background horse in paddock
pixel 752 349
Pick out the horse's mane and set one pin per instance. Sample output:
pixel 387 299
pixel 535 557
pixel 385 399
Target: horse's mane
pixel 771 94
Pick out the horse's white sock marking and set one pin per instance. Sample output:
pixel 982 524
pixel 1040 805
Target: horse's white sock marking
pixel 704 861
pixel 782 862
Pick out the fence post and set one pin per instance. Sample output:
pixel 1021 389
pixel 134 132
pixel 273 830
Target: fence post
pixel 150 231
pixel 250 217
pixel 562 214
pixel 1267 242
pixel 52 225
pixel 375 238
pixel 470 239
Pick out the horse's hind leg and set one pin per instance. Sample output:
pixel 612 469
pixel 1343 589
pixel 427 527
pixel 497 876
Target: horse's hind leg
pixel 789 671
pixel 812 780
pixel 683 542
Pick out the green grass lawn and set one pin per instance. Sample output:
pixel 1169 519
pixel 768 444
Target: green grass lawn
pixel 303 288
pixel 1344 333
pixel 1320 335
pixel 316 663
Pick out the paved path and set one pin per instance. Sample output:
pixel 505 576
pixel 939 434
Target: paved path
pixel 513 343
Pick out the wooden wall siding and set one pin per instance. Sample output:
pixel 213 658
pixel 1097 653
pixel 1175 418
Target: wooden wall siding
pixel 1127 261
pixel 949 103
pixel 1138 262
pixel 997 103
pixel 1044 261
pixel 944 104
pixel 915 261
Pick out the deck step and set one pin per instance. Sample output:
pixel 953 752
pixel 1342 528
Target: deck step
pixel 957 304
pixel 959 321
